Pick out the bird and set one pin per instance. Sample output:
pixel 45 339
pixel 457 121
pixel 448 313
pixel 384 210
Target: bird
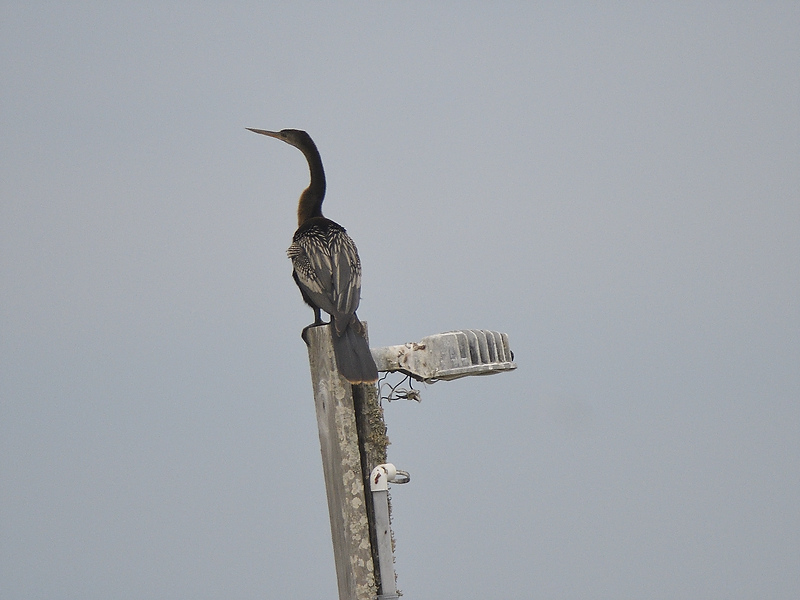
pixel 326 267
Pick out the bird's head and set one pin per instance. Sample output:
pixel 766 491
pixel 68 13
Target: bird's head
pixel 296 137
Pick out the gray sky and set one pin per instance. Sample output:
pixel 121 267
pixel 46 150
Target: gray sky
pixel 617 188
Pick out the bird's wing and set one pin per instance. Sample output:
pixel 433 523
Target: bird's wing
pixel 345 274
pixel 328 268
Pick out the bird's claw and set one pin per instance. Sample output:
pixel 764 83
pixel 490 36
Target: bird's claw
pixel 304 334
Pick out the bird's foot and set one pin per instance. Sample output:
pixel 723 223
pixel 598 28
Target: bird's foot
pixel 304 334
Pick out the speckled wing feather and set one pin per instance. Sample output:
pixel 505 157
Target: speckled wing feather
pixel 328 269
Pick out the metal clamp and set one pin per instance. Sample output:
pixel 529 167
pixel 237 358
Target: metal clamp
pixel 383 474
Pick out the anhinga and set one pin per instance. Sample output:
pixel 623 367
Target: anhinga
pixel 326 267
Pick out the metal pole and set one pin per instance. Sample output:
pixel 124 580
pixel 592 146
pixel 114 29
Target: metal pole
pixel 379 486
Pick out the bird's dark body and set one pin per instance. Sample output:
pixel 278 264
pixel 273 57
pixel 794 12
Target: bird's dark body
pixel 327 269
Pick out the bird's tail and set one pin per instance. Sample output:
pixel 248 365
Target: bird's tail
pixel 352 353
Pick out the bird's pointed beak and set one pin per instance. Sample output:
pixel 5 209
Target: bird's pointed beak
pixel 274 134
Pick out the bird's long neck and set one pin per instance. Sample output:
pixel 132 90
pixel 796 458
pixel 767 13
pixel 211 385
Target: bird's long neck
pixel 310 204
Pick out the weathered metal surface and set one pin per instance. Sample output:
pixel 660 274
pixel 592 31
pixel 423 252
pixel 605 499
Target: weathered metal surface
pixel 450 355
pixel 379 480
